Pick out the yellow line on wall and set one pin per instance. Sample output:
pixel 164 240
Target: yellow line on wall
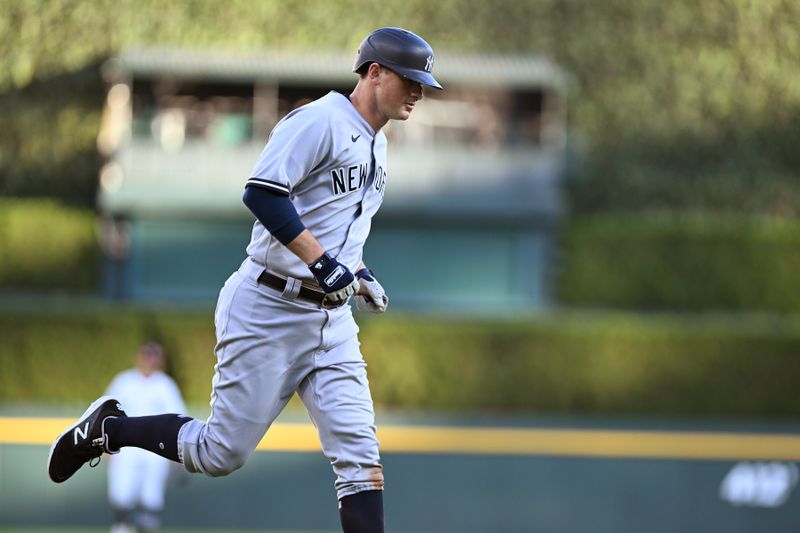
pixel 495 441
pixel 591 443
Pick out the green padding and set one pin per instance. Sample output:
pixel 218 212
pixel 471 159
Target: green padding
pixel 175 257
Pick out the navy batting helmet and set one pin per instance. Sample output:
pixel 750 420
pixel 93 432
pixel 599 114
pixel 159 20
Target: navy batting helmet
pixel 401 51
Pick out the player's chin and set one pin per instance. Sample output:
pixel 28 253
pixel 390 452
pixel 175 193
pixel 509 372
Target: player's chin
pixel 404 112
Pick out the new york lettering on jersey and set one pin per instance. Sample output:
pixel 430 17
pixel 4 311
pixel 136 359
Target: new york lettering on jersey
pixel 345 180
pixel 379 184
pixel 350 179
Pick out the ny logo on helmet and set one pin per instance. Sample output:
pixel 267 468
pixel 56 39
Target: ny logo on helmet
pixel 429 63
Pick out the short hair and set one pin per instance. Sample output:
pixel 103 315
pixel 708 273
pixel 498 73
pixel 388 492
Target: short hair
pixel 152 348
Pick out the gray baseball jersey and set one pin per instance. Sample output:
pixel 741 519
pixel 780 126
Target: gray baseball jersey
pixel 272 344
pixel 329 161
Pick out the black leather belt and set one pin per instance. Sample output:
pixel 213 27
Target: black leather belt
pixel 279 284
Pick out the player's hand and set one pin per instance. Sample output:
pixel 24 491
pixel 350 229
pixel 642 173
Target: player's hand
pixel 370 296
pixel 335 279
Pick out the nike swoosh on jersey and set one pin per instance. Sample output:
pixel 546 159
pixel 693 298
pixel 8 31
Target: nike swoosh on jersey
pixel 354 138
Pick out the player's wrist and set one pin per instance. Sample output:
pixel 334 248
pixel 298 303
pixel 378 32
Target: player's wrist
pixel 365 274
pixel 330 273
pixel 322 264
pixel 323 257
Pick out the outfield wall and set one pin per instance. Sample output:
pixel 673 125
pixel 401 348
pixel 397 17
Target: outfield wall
pixel 583 476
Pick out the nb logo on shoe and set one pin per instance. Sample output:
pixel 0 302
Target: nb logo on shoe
pixel 82 433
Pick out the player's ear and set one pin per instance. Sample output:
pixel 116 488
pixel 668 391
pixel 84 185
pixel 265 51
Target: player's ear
pixel 374 71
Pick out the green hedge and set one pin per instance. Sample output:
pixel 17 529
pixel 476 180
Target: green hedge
pixel 566 363
pixel 688 262
pixel 45 245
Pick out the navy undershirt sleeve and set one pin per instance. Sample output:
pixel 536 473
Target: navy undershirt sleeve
pixel 275 211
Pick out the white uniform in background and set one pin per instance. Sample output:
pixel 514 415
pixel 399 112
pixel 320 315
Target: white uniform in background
pixel 136 477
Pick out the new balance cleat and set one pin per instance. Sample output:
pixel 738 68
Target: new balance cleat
pixel 83 441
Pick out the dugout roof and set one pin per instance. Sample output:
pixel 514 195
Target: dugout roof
pixel 475 70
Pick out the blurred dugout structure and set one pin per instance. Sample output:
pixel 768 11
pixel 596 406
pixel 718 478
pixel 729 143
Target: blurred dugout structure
pixel 473 187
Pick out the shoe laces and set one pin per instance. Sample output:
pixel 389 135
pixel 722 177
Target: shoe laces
pixel 99 442
pixel 99 445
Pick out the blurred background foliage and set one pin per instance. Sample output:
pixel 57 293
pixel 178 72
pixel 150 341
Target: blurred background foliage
pixel 678 105
pixel 691 262
pixel 607 363
pixel 42 255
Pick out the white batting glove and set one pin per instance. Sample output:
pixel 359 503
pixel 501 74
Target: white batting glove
pixel 370 296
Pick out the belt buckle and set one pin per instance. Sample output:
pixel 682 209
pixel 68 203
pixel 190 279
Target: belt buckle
pixel 332 305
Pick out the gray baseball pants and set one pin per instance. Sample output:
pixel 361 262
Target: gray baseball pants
pixel 268 348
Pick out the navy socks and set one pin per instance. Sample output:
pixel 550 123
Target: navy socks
pixel 362 512
pixel 157 433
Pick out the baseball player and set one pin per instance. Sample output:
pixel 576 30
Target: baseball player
pixel 282 321
pixel 136 478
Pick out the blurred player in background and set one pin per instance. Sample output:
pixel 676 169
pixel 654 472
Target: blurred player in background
pixel 137 478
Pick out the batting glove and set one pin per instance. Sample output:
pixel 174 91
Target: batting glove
pixel 335 279
pixel 370 297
